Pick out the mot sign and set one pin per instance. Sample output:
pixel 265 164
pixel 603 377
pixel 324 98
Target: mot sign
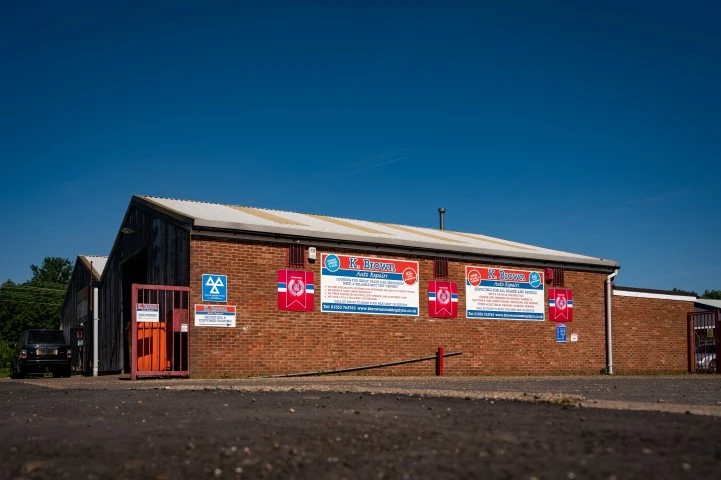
pixel 215 288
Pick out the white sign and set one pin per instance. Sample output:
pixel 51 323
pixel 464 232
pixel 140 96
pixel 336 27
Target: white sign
pixel 147 312
pixel 215 316
pixel 504 294
pixel 367 285
pixel 574 337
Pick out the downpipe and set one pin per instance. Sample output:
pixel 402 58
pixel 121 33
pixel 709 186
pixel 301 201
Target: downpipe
pixel 609 340
pixel 96 319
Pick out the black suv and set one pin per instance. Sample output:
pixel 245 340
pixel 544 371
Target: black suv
pixel 39 350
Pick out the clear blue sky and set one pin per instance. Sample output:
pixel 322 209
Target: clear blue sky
pixel 590 128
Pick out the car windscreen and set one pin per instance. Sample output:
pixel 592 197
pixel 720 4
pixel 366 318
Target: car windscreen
pixel 47 336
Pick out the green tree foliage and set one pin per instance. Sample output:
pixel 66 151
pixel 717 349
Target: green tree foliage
pixel 54 270
pixel 36 303
pixel 5 358
pixel 709 294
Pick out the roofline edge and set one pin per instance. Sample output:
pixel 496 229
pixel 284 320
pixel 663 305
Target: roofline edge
pixel 280 234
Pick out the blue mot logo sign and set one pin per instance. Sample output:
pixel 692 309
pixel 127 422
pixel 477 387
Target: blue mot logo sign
pixel 215 288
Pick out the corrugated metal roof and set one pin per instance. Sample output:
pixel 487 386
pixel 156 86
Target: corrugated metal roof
pixel 708 302
pixel 98 263
pixel 248 219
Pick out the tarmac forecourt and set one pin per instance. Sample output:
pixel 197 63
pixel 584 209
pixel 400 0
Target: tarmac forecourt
pixel 691 394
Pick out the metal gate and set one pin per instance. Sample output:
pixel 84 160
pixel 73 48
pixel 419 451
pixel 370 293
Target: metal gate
pixel 704 329
pixel 77 344
pixel 159 325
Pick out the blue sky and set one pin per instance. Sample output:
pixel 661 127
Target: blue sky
pixel 589 127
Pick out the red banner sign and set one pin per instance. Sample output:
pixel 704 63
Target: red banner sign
pixel 295 290
pixel 560 304
pixel 442 299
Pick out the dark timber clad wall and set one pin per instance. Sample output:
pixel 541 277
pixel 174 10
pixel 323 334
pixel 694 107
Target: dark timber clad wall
pixel 157 254
pixel 71 316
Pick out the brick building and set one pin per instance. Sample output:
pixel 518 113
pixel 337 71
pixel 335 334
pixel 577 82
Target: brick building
pixel 650 330
pixel 271 292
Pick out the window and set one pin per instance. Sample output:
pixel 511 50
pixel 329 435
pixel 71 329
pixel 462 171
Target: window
pixel 557 277
pixel 440 267
pixel 296 256
pixel 46 336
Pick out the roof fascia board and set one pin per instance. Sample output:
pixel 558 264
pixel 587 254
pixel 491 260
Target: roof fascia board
pixel 703 302
pixel 169 212
pixel 658 296
pixel 86 263
pixel 652 290
pixel 89 267
pixel 401 248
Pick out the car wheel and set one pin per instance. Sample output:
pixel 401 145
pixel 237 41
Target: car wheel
pixel 16 373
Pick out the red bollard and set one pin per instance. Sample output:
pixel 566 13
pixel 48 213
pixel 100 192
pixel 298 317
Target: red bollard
pixel 439 362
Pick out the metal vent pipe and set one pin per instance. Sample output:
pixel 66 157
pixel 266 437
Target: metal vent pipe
pixel 442 217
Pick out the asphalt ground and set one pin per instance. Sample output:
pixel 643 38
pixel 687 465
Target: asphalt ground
pixel 362 427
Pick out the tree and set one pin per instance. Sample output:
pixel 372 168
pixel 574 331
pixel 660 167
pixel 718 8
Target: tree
pixel 712 294
pixel 29 306
pixel 53 270
pixel 685 292
pixel 36 303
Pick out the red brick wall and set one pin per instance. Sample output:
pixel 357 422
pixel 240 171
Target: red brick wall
pixel 649 335
pixel 267 341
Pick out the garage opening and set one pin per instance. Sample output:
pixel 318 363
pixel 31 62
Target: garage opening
pixel 134 270
pixel 703 341
pixel 159 331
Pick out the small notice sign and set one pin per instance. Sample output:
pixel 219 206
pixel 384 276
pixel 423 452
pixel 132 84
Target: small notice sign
pixel 560 333
pixel 147 312
pixel 215 316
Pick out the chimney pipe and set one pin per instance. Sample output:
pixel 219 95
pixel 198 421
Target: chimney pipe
pixel 442 217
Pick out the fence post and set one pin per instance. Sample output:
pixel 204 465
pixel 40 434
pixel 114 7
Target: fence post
pixel 439 362
pixel 96 323
pixel 691 342
pixel 717 339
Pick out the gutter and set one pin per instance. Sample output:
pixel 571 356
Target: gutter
pixel 609 339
